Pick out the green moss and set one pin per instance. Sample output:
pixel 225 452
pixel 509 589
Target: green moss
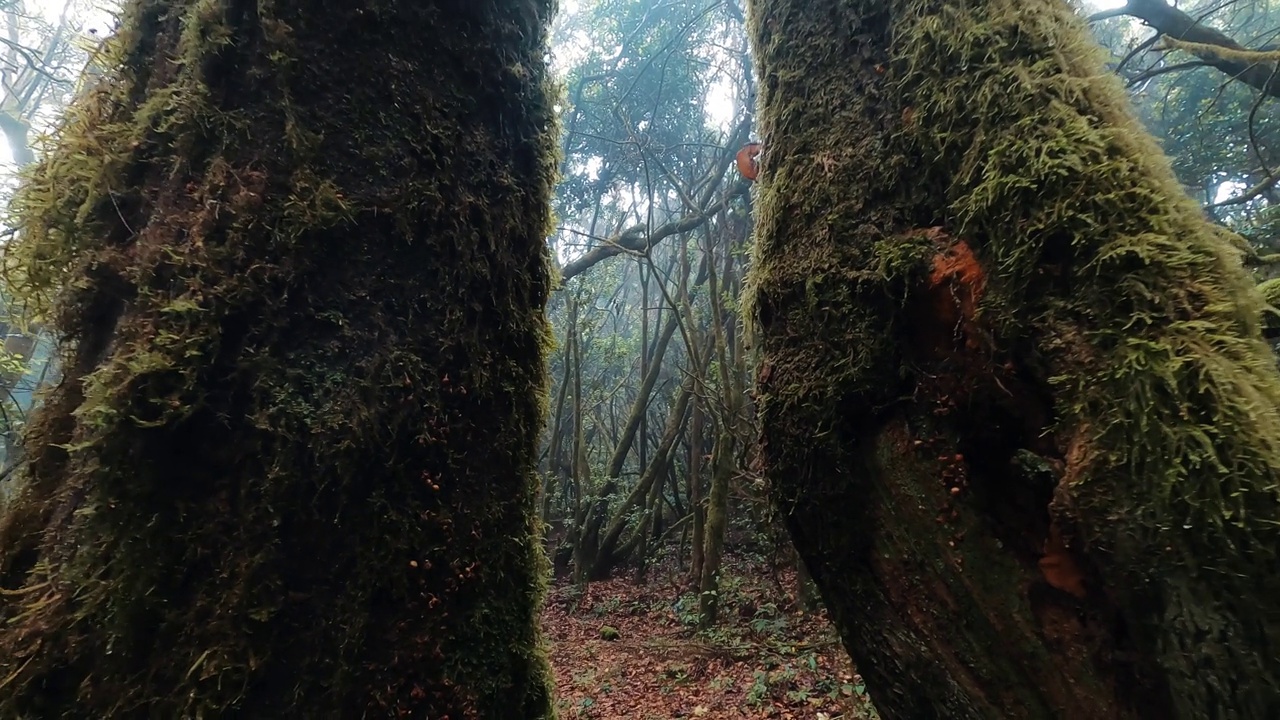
pixel 1056 174
pixel 298 261
pixel 1158 368
pixel 1105 287
pixel 1270 291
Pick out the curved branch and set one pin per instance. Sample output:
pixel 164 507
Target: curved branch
pixel 1185 33
pixel 1146 75
pixel 1108 14
pixel 634 238
pixel 1247 195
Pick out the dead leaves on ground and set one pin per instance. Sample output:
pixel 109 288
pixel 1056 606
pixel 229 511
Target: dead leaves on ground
pixel 766 660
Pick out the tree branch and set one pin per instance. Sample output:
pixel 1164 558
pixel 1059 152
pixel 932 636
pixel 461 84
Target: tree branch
pixel 1108 14
pixel 634 238
pixel 1185 33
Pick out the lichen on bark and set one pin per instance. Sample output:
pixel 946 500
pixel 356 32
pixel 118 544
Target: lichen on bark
pixel 296 251
pixel 1114 332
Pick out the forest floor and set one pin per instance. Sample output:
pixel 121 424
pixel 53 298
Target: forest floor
pixel 622 650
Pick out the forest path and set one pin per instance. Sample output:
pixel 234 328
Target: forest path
pixel 632 652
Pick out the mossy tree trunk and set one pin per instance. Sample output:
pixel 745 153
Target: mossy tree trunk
pixel 716 528
pixel 298 255
pixel 1016 409
pixel 723 460
pixel 697 350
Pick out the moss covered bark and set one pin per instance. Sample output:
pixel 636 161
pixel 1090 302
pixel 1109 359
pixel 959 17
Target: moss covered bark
pixel 297 252
pixel 1015 403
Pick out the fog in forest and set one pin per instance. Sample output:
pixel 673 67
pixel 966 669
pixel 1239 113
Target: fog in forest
pixel 640 359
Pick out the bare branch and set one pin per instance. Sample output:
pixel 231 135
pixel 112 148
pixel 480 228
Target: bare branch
pixel 634 238
pixel 1247 195
pixel 1108 14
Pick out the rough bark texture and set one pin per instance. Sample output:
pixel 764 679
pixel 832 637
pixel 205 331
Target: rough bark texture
pixel 1015 404
pixel 297 249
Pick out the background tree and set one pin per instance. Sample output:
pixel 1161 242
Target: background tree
pixel 1200 76
pixel 660 99
pixel 1015 406
pixel 299 267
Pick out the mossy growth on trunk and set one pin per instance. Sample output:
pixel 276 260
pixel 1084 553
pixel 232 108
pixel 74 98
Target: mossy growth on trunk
pixel 1016 406
pixel 297 252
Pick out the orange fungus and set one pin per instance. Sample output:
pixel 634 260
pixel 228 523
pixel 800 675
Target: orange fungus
pixel 747 164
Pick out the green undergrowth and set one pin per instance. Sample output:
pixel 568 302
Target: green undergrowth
pixel 297 259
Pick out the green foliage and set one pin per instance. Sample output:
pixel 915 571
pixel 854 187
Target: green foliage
pixel 300 272
pixel 608 607
pixel 686 609
pixel 637 77
pixel 11 364
pixel 641 150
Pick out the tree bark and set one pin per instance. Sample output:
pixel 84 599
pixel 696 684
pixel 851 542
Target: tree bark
pixel 723 463
pixel 715 528
pixel 582 538
pixel 16 132
pixel 1015 407
pixel 606 556
pixel 555 471
pixel 298 250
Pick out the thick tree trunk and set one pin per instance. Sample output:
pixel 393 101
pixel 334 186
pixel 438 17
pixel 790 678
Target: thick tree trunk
pixel 583 544
pixel 1015 406
pixel 649 532
pixel 555 473
pixel 289 471
pixel 16 133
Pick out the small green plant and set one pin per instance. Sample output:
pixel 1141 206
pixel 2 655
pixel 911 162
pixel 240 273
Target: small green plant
pixel 768 621
pixel 800 695
pixel 759 688
pixel 686 609
pixel 607 607
pixel 582 708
